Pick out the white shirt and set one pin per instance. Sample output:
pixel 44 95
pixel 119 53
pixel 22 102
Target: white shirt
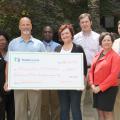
pixel 65 51
pixel 116 46
pixel 90 44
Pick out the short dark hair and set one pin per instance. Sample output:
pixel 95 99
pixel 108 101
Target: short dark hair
pixel 46 27
pixel 85 15
pixel 5 35
pixel 103 34
pixel 66 26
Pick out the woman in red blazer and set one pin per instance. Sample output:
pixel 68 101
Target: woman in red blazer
pixel 103 77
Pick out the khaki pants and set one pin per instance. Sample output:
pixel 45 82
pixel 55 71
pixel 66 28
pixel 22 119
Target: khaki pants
pixel 27 100
pixel 84 95
pixel 117 106
pixel 50 105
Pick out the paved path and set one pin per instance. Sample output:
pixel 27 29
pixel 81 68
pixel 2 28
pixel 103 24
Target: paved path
pixel 89 112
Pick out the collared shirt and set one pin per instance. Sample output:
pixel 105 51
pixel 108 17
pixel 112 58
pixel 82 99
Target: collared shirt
pixel 33 45
pixel 50 47
pixel 65 51
pixel 90 44
pixel 116 45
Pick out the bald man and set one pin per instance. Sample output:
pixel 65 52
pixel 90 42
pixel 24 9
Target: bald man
pixel 25 99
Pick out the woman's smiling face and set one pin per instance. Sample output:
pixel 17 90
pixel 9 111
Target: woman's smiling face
pixel 66 36
pixel 107 42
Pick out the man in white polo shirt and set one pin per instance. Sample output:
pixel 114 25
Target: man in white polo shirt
pixel 116 47
pixel 89 40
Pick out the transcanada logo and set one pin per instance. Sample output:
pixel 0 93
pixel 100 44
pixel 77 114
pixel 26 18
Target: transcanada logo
pixel 26 60
pixel 17 59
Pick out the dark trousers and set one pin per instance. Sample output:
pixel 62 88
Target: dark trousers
pixel 2 107
pixel 70 99
pixel 7 106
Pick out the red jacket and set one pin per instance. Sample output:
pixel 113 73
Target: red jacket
pixel 104 72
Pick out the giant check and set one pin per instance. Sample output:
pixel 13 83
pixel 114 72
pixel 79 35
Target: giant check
pixel 35 70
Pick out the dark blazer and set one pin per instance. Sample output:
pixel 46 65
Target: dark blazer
pixel 2 72
pixel 76 49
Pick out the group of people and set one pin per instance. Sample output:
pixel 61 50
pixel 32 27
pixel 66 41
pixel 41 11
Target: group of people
pixel 101 72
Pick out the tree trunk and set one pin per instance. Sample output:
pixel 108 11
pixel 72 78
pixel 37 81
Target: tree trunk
pixel 94 10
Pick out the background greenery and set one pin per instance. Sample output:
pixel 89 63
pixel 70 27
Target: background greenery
pixel 47 12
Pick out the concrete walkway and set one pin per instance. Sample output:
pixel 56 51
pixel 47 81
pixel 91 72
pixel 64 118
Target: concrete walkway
pixel 117 106
pixel 89 112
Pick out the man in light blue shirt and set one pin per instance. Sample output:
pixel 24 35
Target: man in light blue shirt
pixel 50 100
pixel 23 98
pixel 50 45
pixel 32 45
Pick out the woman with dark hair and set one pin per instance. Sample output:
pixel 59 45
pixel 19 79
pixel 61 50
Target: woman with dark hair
pixel 6 98
pixel 70 98
pixel 103 77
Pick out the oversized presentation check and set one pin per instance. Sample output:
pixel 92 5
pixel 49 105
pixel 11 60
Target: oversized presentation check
pixel 35 70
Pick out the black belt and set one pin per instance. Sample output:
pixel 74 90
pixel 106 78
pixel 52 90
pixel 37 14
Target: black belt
pixel 88 66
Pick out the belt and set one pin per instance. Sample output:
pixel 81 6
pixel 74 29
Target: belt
pixel 88 66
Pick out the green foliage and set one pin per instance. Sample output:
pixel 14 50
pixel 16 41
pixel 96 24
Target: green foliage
pixel 42 12
pixel 45 12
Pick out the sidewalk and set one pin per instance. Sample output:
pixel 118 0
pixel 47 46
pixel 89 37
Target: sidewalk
pixel 89 112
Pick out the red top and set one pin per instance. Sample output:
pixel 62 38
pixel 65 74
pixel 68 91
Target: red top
pixel 104 72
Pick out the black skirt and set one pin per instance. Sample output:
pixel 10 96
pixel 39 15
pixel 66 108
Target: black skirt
pixel 105 100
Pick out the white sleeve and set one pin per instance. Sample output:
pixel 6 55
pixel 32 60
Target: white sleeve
pixel 116 46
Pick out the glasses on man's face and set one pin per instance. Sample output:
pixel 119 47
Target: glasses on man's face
pixel 47 32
